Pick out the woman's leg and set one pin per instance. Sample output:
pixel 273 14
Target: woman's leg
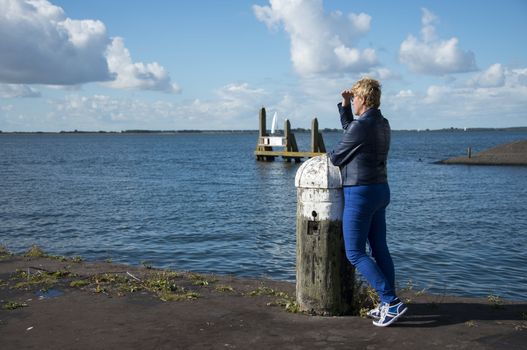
pixel 360 205
pixel 379 247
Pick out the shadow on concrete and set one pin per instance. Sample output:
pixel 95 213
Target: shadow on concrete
pixel 436 315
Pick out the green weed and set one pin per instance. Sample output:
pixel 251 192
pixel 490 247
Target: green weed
pixel 365 298
pixel 100 289
pixel 109 278
pixel 421 292
pixel 471 323
pixel 200 280
pixel 35 252
pixel 4 253
pixel 409 286
pixel 166 296
pixel 224 288
pixel 292 306
pixel 57 257
pixel 12 305
pixel 282 299
pixel 42 279
pixel 263 290
pixel 495 301
pixel 160 282
pixel 79 283
pixel 200 283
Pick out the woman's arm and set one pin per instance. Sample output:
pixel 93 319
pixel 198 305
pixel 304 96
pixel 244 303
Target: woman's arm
pixel 346 114
pixel 347 148
pixel 346 97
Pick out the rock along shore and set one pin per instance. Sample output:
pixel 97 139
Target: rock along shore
pixel 58 303
pixel 514 153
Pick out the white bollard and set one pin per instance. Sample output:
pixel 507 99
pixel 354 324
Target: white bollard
pixel 324 277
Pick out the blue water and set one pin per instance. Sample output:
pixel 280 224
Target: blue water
pixel 202 202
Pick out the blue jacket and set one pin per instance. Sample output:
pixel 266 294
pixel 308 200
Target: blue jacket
pixel 362 153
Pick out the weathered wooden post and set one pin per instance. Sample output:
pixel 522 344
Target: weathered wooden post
pixel 290 141
pixel 262 123
pixel 324 277
pixel 262 133
pixel 317 141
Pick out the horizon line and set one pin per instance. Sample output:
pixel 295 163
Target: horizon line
pixel 181 131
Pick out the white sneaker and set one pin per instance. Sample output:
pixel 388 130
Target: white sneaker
pixel 390 313
pixel 375 313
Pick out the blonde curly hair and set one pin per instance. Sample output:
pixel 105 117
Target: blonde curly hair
pixel 370 90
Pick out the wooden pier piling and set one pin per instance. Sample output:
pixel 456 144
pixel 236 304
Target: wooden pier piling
pixel 264 148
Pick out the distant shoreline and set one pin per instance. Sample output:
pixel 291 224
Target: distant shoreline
pixel 297 130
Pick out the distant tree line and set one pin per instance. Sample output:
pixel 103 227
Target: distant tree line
pixel 297 130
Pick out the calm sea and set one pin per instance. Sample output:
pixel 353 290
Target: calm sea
pixel 202 202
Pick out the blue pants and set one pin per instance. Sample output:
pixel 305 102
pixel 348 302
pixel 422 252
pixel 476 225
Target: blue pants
pixel 364 220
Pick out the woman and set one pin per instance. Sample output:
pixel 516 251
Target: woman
pixel 361 156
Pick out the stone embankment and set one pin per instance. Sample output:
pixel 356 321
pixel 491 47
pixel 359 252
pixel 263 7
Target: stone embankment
pixel 514 153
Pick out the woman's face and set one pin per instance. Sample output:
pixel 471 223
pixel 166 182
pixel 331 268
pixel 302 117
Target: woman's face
pixel 358 105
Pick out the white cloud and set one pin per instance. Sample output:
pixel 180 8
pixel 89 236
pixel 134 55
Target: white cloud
pixel 517 77
pixel 405 94
pixel 98 112
pixel 239 92
pixel 382 73
pixel 320 42
pixel 498 78
pixel 17 90
pixel 234 106
pixel 494 76
pixel 493 98
pixel 41 45
pixel 6 108
pixel 432 55
pixel 428 31
pixel 151 76
pixel 437 93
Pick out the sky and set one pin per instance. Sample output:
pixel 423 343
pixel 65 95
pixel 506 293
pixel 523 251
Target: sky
pixel 212 64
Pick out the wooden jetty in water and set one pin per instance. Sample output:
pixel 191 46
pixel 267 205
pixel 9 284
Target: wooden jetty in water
pixel 264 148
